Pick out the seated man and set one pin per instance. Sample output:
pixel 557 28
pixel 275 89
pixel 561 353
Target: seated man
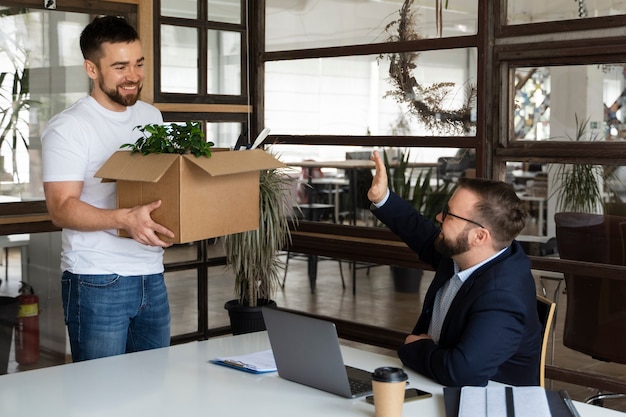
pixel 479 320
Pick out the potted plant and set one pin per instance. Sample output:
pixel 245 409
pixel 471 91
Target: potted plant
pixel 427 199
pixel 578 186
pixel 253 255
pixel 15 103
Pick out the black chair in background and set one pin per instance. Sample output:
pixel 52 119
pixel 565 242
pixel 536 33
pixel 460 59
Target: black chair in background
pixel 307 202
pixel 452 168
pixel 595 318
pixel 356 201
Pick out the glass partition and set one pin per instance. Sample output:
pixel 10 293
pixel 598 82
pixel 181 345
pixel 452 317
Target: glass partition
pixel 301 24
pixel 179 59
pixel 570 103
pixel 183 295
pixel 187 9
pixel 519 12
pixel 228 11
pixel 224 62
pixel 371 95
pixel 337 178
pixel 35 47
pixel 550 188
pixel 180 55
pixel 224 134
pixel 221 288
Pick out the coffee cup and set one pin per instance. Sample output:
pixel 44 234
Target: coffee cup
pixel 389 384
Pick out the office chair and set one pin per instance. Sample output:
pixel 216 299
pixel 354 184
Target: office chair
pixel 545 309
pixel 451 168
pixel 595 318
pixel 305 197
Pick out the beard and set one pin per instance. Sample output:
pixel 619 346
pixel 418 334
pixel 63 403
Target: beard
pixel 115 95
pixel 458 246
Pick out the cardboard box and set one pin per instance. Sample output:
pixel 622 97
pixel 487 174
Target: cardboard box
pixel 201 197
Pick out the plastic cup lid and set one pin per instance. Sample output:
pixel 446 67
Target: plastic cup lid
pixel 389 374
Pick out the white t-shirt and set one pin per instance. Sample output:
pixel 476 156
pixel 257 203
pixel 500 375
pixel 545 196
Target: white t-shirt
pixel 75 144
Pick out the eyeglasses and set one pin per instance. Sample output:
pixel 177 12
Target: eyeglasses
pixel 446 212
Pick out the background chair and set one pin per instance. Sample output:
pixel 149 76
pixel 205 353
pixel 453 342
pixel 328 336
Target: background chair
pixel 546 309
pixel 595 318
pixel 360 180
pixel 306 197
pixel 303 209
pixel 452 168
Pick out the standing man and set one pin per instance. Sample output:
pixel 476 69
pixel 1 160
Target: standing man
pixel 113 289
pixel 479 320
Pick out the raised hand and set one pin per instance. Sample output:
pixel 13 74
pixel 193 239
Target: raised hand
pixel 378 190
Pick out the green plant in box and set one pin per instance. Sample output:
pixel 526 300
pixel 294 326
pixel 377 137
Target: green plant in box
pixel 171 138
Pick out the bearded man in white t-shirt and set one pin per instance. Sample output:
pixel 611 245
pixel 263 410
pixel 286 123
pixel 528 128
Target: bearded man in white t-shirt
pixel 113 289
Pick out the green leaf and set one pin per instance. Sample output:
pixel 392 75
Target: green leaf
pixel 171 138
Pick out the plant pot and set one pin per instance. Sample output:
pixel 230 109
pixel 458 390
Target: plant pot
pixel 406 280
pixel 246 319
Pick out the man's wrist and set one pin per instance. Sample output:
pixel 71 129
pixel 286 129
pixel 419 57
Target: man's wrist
pixel 383 201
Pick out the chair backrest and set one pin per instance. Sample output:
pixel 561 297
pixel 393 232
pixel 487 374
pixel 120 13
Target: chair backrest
pixel 363 180
pixel 595 319
pixel 545 309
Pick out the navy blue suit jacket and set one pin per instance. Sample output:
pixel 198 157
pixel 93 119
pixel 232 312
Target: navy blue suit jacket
pixel 492 330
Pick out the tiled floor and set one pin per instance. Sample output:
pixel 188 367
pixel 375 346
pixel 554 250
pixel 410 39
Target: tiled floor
pixel 376 302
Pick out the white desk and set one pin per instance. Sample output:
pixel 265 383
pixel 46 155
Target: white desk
pixel 178 381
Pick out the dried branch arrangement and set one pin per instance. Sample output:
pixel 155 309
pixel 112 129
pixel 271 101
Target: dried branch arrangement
pixel 424 101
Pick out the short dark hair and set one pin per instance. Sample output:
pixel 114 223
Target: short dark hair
pixel 499 208
pixel 103 29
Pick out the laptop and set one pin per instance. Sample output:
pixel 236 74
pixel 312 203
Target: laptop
pixel 306 351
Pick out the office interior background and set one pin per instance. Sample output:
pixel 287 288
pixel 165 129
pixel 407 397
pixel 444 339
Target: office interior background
pixel 529 89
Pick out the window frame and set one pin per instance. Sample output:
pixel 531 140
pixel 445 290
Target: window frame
pixel 203 25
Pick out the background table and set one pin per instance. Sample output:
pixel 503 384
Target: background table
pixel 351 166
pixel 179 381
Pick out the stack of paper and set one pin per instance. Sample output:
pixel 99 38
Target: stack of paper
pixel 256 362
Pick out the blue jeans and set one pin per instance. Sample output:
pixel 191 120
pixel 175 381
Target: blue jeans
pixel 110 315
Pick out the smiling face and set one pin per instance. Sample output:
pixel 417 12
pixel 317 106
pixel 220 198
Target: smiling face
pixel 118 76
pixel 454 237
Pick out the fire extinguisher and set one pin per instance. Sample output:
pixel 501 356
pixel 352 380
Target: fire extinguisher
pixel 27 327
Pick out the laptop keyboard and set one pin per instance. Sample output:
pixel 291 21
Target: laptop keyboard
pixel 360 380
pixel 359 387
